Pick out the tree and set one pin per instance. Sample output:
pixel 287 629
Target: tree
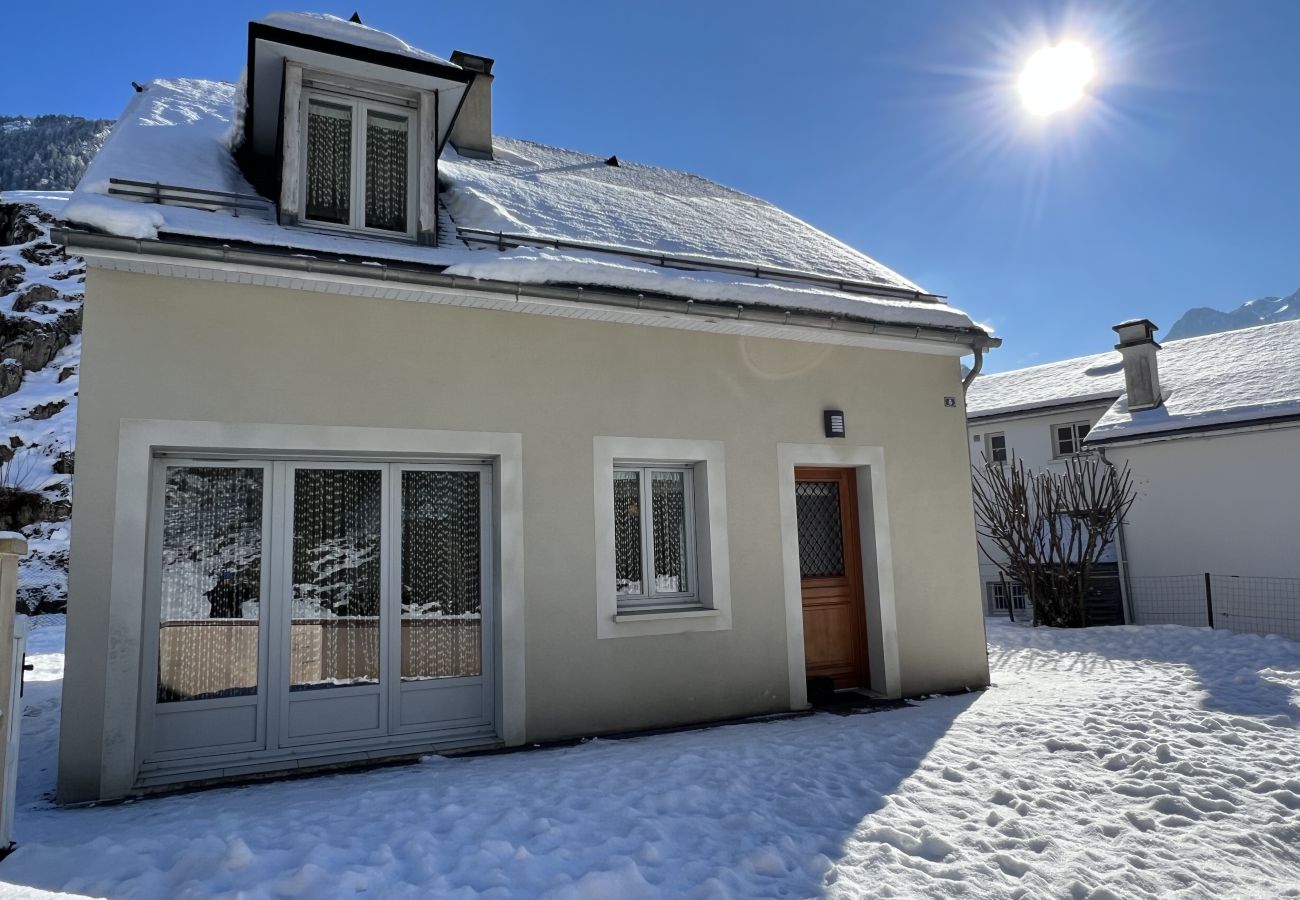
pixel 1052 527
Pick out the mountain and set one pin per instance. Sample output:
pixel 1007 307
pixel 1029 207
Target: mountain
pixel 1203 320
pixel 47 153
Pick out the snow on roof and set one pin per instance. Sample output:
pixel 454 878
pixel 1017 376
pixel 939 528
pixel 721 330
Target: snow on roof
pixel 178 132
pixel 1086 378
pixel 548 192
pixel 332 27
pixel 1233 377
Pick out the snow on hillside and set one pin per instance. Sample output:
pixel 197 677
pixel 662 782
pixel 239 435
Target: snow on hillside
pixel 1158 761
pixel 1204 320
pixel 41 291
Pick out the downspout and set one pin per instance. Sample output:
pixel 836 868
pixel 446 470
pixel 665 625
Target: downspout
pixel 1124 586
pixel 974 369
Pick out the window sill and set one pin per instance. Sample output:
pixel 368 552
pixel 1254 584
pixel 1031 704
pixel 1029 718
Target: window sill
pixel 652 615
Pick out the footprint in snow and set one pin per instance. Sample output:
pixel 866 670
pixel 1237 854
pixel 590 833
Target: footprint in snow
pixel 929 847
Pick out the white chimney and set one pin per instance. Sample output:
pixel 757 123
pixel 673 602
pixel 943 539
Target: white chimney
pixel 1137 344
pixel 471 135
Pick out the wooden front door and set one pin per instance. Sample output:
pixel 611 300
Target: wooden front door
pixel 830 572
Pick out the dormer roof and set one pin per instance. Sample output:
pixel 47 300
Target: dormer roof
pixel 350 49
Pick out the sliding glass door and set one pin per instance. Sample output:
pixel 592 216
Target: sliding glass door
pixel 300 604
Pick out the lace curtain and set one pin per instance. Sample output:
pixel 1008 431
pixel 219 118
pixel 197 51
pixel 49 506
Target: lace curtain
pixel 386 166
pixel 329 163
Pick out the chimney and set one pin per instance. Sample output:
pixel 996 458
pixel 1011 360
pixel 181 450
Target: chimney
pixel 1138 346
pixel 472 133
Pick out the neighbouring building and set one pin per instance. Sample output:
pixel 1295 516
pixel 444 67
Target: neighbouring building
pixel 399 436
pixel 1210 428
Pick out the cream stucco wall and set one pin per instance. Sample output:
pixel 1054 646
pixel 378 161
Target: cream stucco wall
pixel 170 348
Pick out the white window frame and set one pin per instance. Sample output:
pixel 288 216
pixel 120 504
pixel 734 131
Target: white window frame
pixel 988 449
pixel 360 107
pixel 1076 436
pixel 711 610
pixel 1002 601
pixel 650 598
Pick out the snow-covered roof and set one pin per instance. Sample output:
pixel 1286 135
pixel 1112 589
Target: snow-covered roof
pixel 179 132
pixel 1231 378
pixel 1095 378
pixel 354 33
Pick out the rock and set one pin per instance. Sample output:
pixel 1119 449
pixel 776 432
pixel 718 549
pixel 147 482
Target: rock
pixel 11 277
pixel 70 320
pixel 46 410
pixel 15 441
pixel 17 225
pixel 66 372
pixel 37 293
pixel 35 349
pixel 20 508
pixel 43 254
pixel 64 464
pixel 11 378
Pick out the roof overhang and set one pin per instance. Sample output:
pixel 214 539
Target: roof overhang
pixel 1209 429
pixel 1043 409
pixel 329 273
pixel 270 46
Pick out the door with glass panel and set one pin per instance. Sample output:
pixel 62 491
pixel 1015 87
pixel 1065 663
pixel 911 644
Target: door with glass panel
pixel 441 633
pixel 298 603
pixel 333 650
pixel 206 636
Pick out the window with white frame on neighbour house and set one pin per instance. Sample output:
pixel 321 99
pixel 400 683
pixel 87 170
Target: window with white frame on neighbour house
pixel 1067 438
pixel 995 445
pixel 1006 595
pixel 654 536
pixel 359 163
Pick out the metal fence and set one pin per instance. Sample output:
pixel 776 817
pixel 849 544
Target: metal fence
pixel 1245 603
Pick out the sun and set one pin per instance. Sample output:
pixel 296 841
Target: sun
pixel 1055 77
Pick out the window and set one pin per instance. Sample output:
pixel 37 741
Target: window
pixel 654 536
pixel 995 446
pixel 359 164
pixel 1004 596
pixel 1068 439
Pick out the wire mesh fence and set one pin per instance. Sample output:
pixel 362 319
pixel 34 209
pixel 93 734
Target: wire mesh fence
pixel 1244 603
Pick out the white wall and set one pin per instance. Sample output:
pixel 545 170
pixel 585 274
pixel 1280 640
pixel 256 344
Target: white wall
pixel 1228 504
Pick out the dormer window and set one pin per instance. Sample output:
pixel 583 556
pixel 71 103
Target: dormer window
pixel 359 167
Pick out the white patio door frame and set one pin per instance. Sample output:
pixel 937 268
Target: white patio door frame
pixel 471 700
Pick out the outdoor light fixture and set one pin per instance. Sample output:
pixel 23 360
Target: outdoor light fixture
pixel 833 420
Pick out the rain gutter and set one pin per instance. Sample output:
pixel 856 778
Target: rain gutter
pixel 290 259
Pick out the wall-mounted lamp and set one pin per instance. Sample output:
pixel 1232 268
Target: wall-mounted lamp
pixel 833 420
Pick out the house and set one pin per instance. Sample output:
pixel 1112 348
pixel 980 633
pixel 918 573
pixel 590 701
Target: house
pixel 1210 428
pixel 400 436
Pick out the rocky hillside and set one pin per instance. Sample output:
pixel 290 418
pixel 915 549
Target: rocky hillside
pixel 47 153
pixel 1203 320
pixel 41 291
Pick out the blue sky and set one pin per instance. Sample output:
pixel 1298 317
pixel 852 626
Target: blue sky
pixel 895 127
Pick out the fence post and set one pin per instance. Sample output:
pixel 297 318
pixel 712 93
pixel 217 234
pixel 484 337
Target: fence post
pixel 1209 601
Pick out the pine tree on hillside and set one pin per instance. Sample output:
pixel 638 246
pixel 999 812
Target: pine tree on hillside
pixel 47 153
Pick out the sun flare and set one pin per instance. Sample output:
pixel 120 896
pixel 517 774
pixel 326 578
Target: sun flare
pixel 1055 77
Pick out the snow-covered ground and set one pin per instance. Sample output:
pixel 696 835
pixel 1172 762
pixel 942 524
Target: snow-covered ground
pixel 1157 761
